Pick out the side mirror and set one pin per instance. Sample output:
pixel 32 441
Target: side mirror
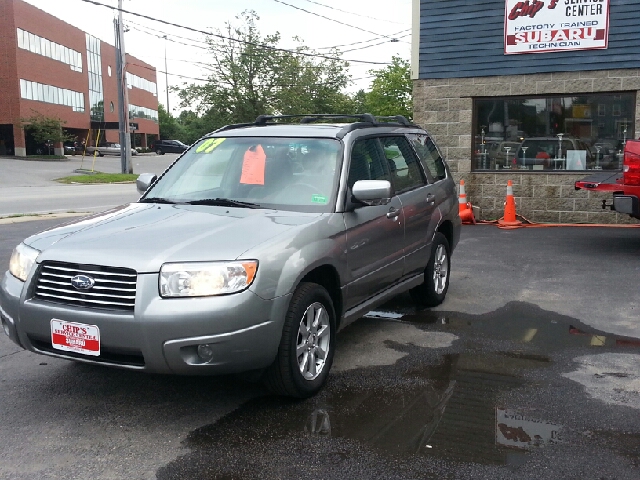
pixel 372 192
pixel 143 181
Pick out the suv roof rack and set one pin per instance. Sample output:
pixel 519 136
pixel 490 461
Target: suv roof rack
pixel 363 120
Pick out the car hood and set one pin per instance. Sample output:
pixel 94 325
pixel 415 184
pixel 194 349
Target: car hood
pixel 144 236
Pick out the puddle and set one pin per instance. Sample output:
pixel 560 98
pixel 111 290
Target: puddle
pixel 526 324
pixel 449 411
pixel 416 418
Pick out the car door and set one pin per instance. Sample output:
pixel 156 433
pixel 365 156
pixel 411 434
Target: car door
pixel 174 147
pixel 375 234
pixel 418 199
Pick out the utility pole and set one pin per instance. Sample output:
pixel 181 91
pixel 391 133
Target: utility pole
pixel 123 95
pixel 166 75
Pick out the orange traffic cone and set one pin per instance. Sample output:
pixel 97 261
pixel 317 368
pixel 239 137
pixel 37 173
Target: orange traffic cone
pixel 509 218
pixel 465 208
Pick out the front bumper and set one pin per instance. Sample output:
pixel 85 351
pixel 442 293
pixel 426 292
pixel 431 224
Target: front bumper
pixel 161 335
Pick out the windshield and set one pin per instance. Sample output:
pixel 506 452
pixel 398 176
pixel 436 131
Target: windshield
pixel 298 174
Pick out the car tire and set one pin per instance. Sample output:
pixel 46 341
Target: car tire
pixel 100 154
pixel 159 152
pixel 433 290
pixel 308 334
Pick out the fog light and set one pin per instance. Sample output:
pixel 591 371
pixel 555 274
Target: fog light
pixel 5 327
pixel 205 352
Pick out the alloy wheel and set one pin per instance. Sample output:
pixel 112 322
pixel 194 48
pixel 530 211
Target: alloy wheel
pixel 440 269
pixel 313 341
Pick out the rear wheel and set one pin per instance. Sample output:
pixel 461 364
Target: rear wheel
pixel 433 290
pixel 306 348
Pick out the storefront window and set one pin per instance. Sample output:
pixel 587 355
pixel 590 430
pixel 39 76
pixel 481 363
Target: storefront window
pixel 584 132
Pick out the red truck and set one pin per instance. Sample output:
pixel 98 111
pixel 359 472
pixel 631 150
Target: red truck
pixel 625 185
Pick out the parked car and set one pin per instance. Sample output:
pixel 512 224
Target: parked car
pixel 237 261
pixel 169 146
pixel 544 153
pixel 108 149
pixel 71 147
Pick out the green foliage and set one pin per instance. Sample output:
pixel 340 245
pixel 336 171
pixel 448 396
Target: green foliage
pixel 391 90
pixel 45 129
pixel 246 80
pixel 169 127
pixel 99 177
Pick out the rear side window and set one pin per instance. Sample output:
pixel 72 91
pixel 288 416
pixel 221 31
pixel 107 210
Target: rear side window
pixel 428 154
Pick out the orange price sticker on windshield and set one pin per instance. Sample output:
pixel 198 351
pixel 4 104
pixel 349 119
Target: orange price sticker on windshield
pixel 253 166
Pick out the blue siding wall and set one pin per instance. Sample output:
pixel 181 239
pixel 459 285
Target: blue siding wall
pixel 465 38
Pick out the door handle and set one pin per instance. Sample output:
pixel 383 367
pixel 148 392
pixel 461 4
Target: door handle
pixel 393 213
pixel 431 199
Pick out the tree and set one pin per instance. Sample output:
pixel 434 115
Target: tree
pixel 46 130
pixel 248 75
pixel 391 90
pixel 168 125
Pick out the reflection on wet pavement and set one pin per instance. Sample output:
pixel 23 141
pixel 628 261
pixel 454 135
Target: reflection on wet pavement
pixel 434 405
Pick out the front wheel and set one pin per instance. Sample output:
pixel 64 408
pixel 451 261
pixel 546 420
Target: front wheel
pixel 433 290
pixel 159 152
pixel 307 344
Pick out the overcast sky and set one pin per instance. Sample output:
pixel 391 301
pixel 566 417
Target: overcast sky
pixel 370 21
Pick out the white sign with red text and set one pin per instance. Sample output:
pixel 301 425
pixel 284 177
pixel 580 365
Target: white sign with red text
pixel 75 337
pixel 538 26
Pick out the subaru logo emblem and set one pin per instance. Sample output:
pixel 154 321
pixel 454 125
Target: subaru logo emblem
pixel 82 282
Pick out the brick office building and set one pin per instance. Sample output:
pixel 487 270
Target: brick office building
pixel 538 92
pixel 49 67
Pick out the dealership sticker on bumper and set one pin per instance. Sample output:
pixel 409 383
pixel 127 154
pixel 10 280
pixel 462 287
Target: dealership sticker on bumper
pixel 75 337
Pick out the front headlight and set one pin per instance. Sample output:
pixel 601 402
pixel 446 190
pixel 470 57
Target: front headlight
pixel 205 279
pixel 22 259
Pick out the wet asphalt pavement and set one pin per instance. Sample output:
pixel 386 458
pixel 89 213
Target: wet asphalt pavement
pixel 529 370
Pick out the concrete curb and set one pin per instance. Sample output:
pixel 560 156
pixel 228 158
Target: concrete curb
pixel 42 216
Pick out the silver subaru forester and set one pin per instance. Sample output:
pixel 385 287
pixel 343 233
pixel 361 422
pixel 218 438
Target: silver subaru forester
pixel 246 255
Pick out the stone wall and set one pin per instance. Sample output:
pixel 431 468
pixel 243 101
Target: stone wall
pixel 445 106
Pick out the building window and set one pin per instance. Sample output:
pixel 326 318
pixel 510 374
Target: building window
pixel 109 72
pixel 143 112
pixel 50 94
pixel 111 107
pixel 94 65
pixel 141 83
pixel 47 48
pixel 550 133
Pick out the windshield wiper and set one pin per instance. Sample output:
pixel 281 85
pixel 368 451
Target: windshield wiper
pixel 157 200
pixel 224 202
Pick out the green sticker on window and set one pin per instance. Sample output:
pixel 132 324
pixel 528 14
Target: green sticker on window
pixel 319 199
pixel 208 145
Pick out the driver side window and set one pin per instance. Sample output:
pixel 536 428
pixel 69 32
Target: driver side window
pixel 366 162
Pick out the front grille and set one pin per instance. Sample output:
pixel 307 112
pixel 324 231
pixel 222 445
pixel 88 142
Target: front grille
pixel 114 288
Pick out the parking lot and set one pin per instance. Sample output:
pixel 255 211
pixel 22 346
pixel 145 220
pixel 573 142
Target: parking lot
pixel 530 369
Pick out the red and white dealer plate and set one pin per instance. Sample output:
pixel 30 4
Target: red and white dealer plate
pixel 75 337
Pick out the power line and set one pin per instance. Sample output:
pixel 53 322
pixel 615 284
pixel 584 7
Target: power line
pixel 283 85
pixel 373 45
pixel 258 45
pixel 330 19
pixel 149 31
pixel 363 41
pixel 146 31
pixel 194 46
pixel 356 14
